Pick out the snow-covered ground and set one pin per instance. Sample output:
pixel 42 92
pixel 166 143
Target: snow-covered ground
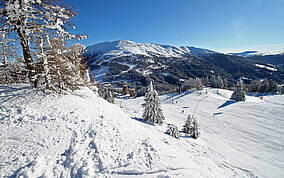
pixel 82 135
pixel 245 137
pixel 266 67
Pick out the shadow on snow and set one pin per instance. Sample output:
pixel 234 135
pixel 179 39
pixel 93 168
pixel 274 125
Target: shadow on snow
pixel 227 103
pixel 177 95
pixel 142 120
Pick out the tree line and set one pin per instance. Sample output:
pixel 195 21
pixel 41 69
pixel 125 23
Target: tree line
pixel 262 86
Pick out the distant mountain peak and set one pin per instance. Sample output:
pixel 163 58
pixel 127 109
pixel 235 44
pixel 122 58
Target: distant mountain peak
pixel 255 53
pixel 128 48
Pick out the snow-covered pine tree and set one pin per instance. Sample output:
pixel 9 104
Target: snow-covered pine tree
pixel 109 96
pixel 152 107
pixel 213 81
pixel 273 86
pixel 206 81
pixel 239 93
pixel 188 126
pixel 226 85
pixel 191 127
pixel 265 86
pixel 254 86
pixel 195 133
pixel 173 131
pixel 198 84
pixel 191 83
pixel 219 82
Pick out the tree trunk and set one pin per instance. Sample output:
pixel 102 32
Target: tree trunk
pixel 26 49
pixel 28 57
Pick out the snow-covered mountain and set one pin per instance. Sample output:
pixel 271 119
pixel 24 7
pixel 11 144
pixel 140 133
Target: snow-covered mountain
pixel 138 63
pixel 82 135
pixel 256 53
pixel 126 48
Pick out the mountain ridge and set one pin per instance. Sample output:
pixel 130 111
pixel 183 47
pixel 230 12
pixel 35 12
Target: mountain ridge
pixel 137 64
pixel 143 48
pixel 256 53
pixel 126 47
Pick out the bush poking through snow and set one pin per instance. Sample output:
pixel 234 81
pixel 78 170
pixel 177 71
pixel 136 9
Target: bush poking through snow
pixel 173 131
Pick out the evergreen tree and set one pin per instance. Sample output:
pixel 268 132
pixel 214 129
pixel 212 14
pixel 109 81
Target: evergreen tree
pixel 195 133
pixel 213 81
pixel 265 86
pixel 188 126
pixel 152 107
pixel 226 85
pixel 273 86
pixel 255 86
pixel 173 131
pixel 219 82
pixel 206 82
pixel 191 83
pixel 191 127
pixel 109 96
pixel 198 84
pixel 252 87
pixel 239 93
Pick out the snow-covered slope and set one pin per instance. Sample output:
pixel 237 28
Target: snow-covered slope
pixel 81 135
pixel 126 48
pixel 245 137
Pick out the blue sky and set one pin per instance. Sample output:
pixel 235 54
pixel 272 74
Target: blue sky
pixel 222 25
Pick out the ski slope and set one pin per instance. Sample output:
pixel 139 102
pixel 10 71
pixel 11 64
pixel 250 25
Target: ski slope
pixel 243 137
pixel 82 135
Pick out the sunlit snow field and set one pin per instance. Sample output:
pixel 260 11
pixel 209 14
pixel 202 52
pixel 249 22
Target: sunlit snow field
pixel 82 135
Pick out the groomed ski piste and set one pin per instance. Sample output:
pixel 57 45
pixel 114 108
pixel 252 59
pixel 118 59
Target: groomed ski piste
pixel 82 135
